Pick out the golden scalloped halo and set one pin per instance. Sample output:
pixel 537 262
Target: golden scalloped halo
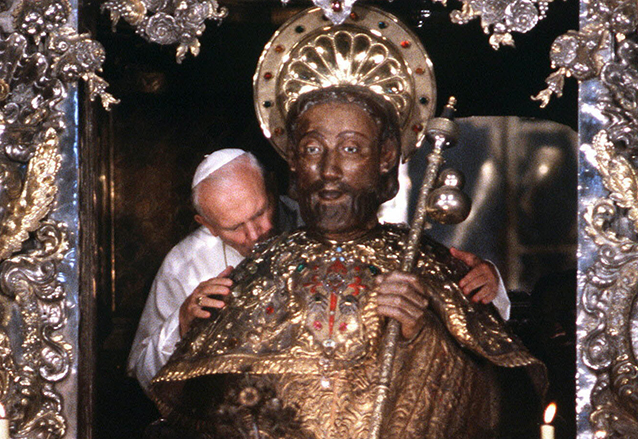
pixel 372 49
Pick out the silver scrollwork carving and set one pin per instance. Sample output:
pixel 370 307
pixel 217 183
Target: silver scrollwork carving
pixel 33 294
pixel 620 105
pixel 608 302
pixel 610 343
pixel 41 57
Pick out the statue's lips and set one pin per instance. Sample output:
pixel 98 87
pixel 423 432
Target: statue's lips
pixel 330 194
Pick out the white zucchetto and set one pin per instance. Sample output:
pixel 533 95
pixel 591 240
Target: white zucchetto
pixel 213 162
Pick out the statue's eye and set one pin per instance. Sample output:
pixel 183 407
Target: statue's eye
pixel 312 148
pixel 351 149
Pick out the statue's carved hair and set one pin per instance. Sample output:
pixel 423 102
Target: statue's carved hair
pixel 380 110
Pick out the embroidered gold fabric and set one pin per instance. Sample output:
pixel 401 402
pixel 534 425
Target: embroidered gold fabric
pixel 303 317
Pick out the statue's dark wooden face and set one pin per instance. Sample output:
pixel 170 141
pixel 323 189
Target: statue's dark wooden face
pixel 338 162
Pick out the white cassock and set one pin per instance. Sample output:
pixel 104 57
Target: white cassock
pixel 198 257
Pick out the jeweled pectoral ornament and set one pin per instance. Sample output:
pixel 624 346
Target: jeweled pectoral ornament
pixel 252 409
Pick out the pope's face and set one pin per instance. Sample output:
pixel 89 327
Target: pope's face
pixel 242 216
pixel 338 163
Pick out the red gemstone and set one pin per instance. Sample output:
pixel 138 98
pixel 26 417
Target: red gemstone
pixel 267 75
pixel 317 324
pixel 354 16
pixel 279 48
pixel 419 71
pixel 270 310
pixel 337 267
pixel 405 44
pixel 343 326
pixel 337 6
pixel 279 131
pixel 418 127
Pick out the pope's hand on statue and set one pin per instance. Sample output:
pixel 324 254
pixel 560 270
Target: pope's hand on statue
pixel 208 294
pixel 403 297
pixel 481 282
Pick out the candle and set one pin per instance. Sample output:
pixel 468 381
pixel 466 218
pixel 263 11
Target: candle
pixel 4 424
pixel 547 430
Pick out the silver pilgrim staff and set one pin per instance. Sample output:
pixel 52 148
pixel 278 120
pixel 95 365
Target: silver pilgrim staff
pixel 442 133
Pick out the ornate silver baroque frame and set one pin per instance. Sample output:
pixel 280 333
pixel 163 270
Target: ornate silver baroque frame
pixel 47 263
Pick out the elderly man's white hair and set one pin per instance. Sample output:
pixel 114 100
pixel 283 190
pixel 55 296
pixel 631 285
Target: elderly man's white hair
pixel 220 169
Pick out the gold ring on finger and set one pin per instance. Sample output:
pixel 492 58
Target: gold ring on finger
pixel 199 300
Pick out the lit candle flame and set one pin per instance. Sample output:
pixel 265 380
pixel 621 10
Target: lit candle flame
pixel 3 414
pixel 550 412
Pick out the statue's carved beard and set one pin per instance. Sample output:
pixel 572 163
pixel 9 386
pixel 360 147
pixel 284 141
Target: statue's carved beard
pixel 353 211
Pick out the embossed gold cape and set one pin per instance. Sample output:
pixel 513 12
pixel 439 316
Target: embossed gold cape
pixel 294 352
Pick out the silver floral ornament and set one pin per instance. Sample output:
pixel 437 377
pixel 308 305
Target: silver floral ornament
pixel 624 19
pixel 161 28
pixel 90 55
pixel 521 16
pixel 132 11
pixel 36 18
pixel 501 17
pixel 168 22
pixel 582 53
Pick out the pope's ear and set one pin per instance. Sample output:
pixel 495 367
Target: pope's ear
pixel 389 155
pixel 201 220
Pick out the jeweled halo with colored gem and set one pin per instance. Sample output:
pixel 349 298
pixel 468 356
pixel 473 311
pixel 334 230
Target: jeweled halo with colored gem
pixel 371 48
